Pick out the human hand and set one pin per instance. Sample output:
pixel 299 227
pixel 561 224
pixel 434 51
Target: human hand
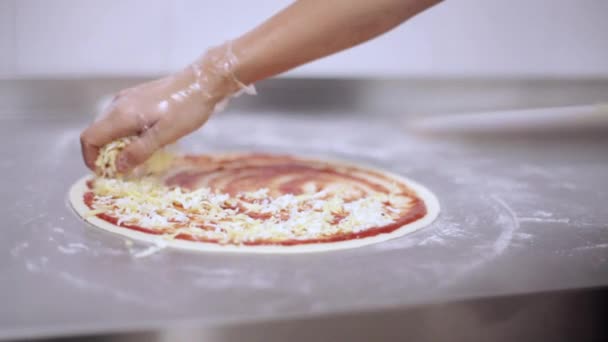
pixel 160 112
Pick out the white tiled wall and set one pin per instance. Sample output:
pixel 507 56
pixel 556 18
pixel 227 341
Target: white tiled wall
pixel 456 38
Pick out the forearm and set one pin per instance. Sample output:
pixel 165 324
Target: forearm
pixel 312 29
pixel 160 112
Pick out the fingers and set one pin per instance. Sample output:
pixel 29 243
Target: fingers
pixel 164 132
pixel 139 150
pixel 111 127
pixel 168 109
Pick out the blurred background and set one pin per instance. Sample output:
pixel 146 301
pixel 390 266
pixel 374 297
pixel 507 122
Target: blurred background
pixel 470 38
pixel 519 251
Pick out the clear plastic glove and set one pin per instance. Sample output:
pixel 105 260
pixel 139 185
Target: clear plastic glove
pixel 160 112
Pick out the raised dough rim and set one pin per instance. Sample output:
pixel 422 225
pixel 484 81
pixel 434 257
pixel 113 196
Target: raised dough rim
pixel 432 204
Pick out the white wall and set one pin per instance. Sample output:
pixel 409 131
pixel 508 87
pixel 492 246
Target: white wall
pixel 456 38
pixel 7 37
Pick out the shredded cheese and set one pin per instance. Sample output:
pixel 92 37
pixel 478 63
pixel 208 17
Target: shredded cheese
pixel 105 165
pixel 320 212
pixel 205 214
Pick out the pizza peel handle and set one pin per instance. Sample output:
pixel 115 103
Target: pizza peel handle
pixel 574 119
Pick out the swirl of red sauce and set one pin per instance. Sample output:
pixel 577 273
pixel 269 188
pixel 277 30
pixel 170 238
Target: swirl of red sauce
pixel 234 174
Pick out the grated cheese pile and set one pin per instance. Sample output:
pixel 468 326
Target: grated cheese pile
pixel 105 165
pixel 245 217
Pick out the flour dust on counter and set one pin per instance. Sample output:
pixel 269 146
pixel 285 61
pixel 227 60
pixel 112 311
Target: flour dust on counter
pixel 508 210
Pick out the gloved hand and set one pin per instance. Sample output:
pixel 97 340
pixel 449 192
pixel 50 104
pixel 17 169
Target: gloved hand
pixel 160 112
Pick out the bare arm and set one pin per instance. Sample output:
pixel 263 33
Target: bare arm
pixel 162 111
pixel 312 29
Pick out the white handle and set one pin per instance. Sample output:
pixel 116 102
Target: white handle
pixel 545 120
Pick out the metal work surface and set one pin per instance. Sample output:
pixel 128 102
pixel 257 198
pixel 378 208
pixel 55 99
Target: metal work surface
pixel 518 215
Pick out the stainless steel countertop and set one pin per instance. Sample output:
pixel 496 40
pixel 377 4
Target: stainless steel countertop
pixel 518 215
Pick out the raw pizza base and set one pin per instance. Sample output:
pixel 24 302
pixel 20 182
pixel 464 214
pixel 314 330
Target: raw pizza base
pixel 78 190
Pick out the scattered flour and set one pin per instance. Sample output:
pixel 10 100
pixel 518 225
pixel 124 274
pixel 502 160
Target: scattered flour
pixel 152 249
pixel 541 213
pixel 18 248
pixel 433 239
pixel 32 219
pixel 544 220
pixel 585 248
pixel 507 234
pixel 446 231
pixel 524 236
pixel 542 216
pixel 72 248
pixel 122 295
pixel 32 267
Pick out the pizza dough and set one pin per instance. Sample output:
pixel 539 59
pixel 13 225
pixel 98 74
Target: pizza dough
pixel 260 204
